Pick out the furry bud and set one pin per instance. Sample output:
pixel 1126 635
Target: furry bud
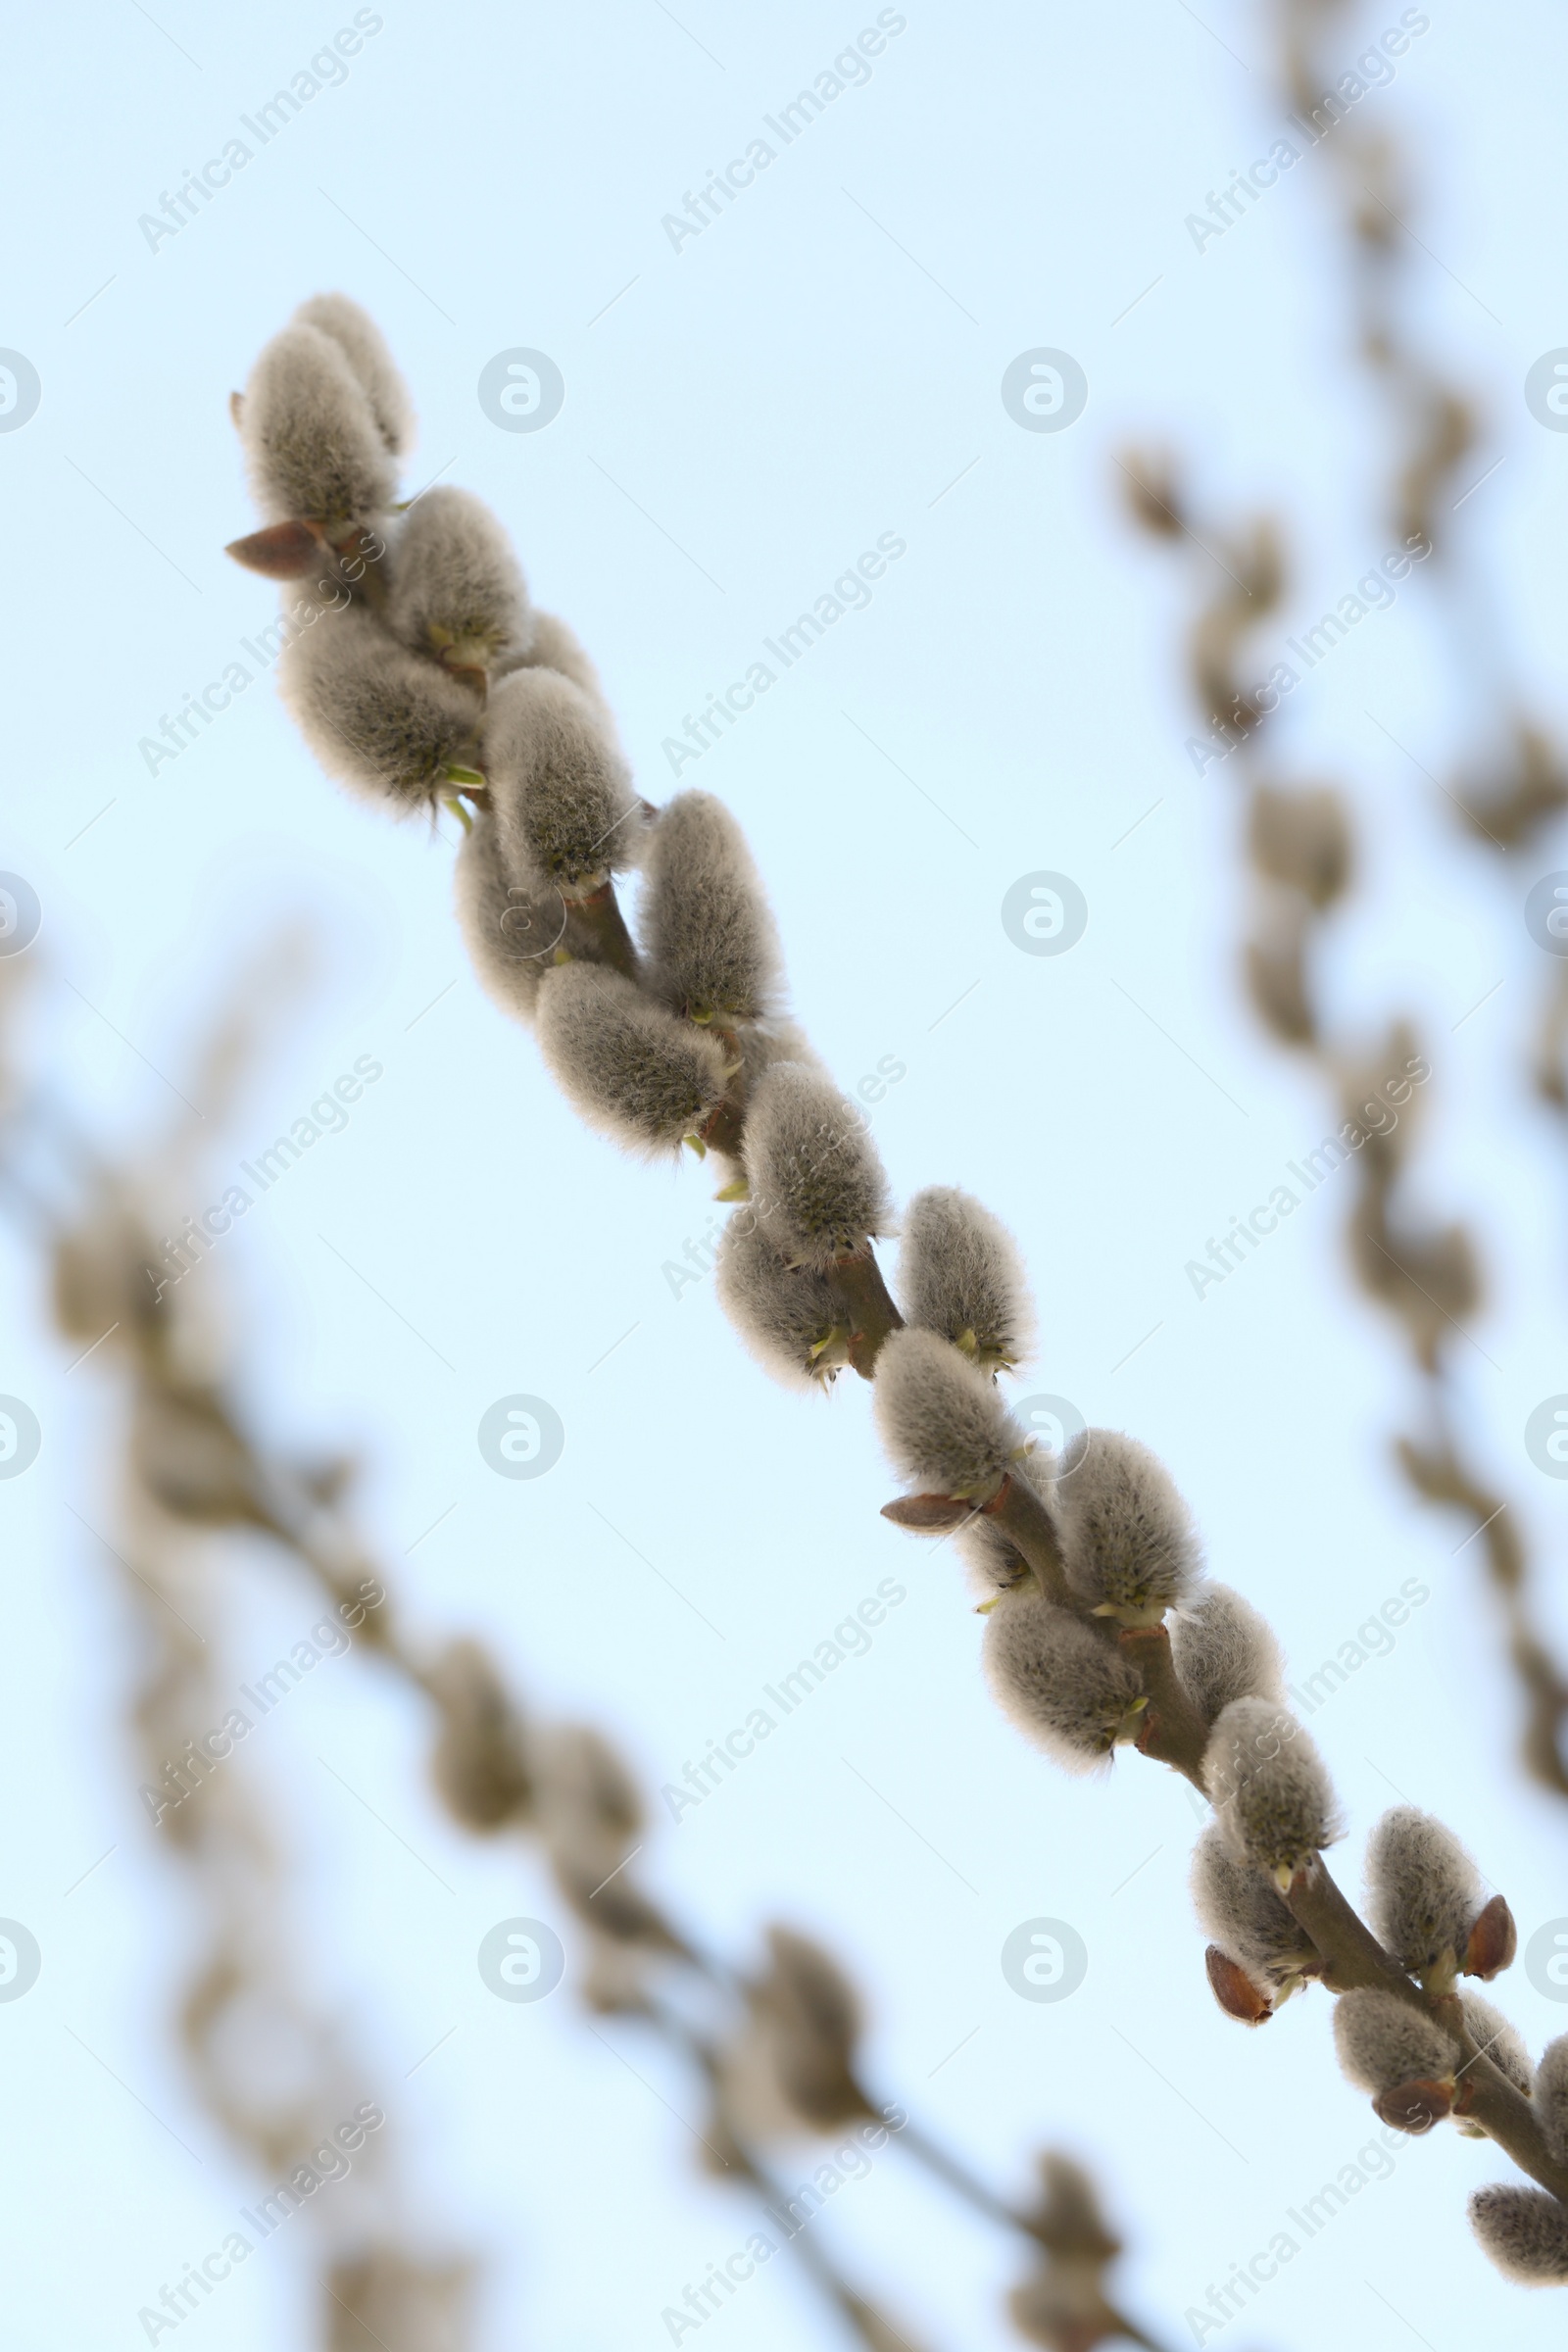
pixel 1127 1539
pixel 510 936
pixel 1501 2042
pixel 787 1315
pixel 706 927
pixel 377 717
pixel 1383 2042
pixel 1551 2096
pixel 1525 2231
pixel 1068 1687
pixel 312 448
pixel 1223 1650
pixel 563 794
pixel 456 591
pixel 480 1766
pixel 1241 1911
pixel 942 1422
pixel 365 347
pixel 960 1275
pixel 815 1179
pixel 628 1068
pixel 1423 1891
pixel 1269 1787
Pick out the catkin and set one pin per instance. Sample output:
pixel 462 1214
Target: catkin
pixel 381 719
pixel 1423 1891
pixel 1223 1650
pixel 1066 1687
pixel 1269 1787
pixel 1128 1543
pixel 1551 2096
pixel 1525 2231
pixel 1241 1910
pixel 510 934
pixel 945 1427
pixel 1382 2043
pixel 312 448
pixel 563 794
pixel 960 1274
pixel 627 1066
pixel 787 1315
pixel 814 1176
pixel 711 946
pixel 365 347
pixel 456 590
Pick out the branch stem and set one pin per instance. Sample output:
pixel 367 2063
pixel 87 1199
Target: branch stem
pixel 871 1314
pixel 595 930
pixel 1173 1731
pixel 1024 1519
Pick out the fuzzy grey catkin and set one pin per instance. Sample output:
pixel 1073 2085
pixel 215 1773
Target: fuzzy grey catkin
pixel 511 935
pixel 1382 2043
pixel 379 719
pixel 945 1428
pixel 1525 2231
pixel 561 790
pixel 365 347
pixel 786 1315
pixel 1501 2041
pixel 1423 1891
pixel 1223 1650
pixel 1128 1543
pixel 1551 2096
pixel 1269 1787
pixel 628 1066
pixel 960 1274
pixel 1068 1687
pixel 1243 1913
pixel 457 590
pixel 707 929
pixel 815 1179
pixel 313 448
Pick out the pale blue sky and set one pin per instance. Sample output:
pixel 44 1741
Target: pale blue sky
pixel 742 418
